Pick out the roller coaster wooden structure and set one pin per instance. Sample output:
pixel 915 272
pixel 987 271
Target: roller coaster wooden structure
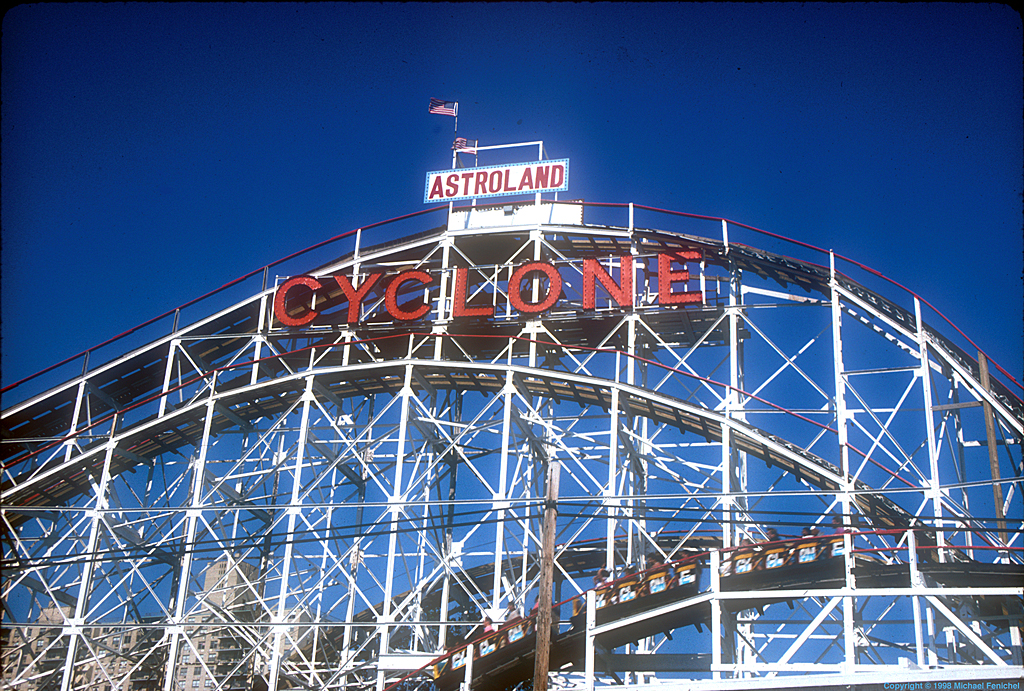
pixel 383 479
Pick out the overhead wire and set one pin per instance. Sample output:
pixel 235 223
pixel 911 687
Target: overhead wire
pixel 352 532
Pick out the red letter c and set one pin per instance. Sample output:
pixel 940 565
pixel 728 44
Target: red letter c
pixel 281 296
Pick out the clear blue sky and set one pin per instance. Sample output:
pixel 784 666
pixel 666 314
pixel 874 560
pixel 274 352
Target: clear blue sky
pixel 152 152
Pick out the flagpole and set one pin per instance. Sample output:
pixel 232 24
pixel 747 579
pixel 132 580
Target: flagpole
pixel 455 161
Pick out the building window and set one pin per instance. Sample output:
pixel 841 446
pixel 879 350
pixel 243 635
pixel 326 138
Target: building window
pixel 195 684
pixel 209 682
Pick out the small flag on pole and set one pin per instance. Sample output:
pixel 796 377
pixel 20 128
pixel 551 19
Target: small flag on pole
pixel 465 146
pixel 439 107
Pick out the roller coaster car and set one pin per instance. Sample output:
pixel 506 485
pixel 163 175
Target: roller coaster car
pixel 818 563
pixel 647 590
pixel 507 656
pixel 805 563
pixel 502 658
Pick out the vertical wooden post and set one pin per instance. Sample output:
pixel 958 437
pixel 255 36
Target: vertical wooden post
pixel 993 450
pixel 547 567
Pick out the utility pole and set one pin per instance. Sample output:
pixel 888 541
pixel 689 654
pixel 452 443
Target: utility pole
pixel 542 653
pixel 993 449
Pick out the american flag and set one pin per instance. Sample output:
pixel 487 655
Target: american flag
pixel 439 107
pixel 465 146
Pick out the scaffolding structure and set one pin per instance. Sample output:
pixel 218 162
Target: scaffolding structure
pixel 371 487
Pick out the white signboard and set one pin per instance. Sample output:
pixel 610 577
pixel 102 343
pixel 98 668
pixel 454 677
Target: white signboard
pixel 497 181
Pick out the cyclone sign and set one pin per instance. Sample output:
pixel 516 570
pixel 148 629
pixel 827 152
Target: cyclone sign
pixel 672 271
pixel 497 181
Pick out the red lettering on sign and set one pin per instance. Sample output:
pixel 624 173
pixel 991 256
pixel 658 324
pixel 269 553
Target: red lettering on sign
pixel 557 175
pixel 391 295
pixel 281 300
pixel 355 296
pixel 461 289
pixel 666 277
pixel 508 176
pixel 553 293
pixel 466 177
pixel 541 179
pixel 435 189
pixel 621 293
pixel 533 288
pixel 453 185
pixel 481 183
pixel 527 181
pixel 496 182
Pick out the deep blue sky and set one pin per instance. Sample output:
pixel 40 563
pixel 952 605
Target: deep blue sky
pixel 152 152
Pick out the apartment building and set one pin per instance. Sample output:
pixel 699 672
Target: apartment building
pixel 118 656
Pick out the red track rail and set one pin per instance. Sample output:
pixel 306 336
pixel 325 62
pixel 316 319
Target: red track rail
pixel 377 224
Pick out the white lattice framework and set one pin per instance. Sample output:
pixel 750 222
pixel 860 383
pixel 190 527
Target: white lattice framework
pixel 382 482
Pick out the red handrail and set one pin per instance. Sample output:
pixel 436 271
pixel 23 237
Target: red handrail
pixel 426 211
